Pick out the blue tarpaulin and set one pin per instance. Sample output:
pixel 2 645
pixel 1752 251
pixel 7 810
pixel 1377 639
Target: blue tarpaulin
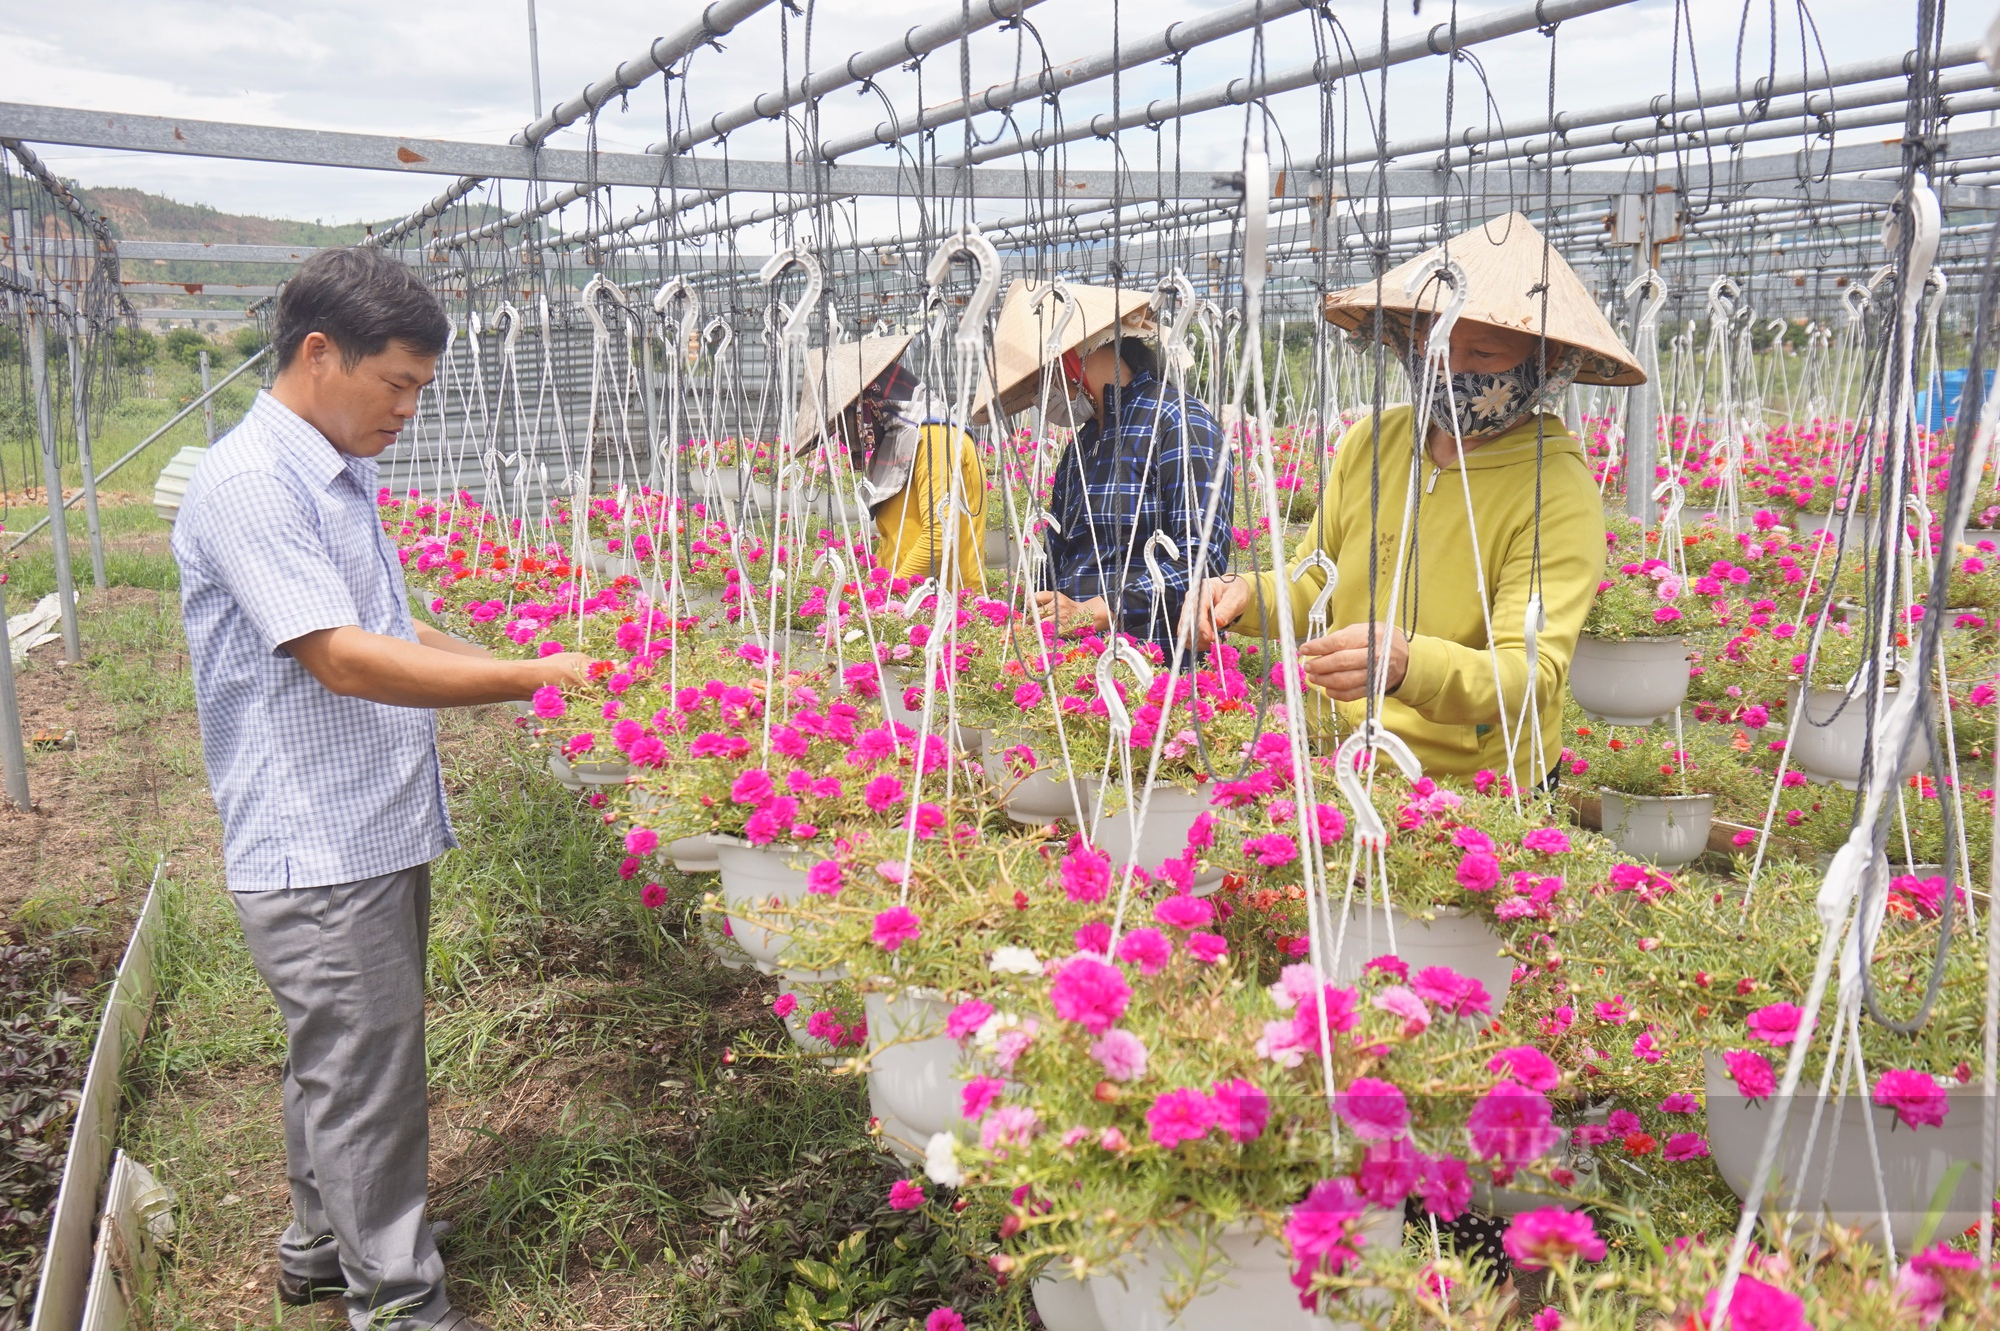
pixel 1932 415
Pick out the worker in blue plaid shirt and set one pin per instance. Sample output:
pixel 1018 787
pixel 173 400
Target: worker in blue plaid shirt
pixel 1144 462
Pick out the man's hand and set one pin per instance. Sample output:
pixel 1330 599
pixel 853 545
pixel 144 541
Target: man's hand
pixel 1338 662
pixel 1073 615
pixel 355 663
pixel 1223 601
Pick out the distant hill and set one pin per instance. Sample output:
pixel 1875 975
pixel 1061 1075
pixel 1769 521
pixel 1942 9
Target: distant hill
pixel 135 214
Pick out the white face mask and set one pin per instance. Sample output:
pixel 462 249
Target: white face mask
pixel 1082 407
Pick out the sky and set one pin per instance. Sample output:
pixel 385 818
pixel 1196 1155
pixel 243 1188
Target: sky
pixel 460 69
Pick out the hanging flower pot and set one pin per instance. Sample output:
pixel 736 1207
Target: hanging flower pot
pixel 1063 1302
pixel 1828 740
pixel 1170 815
pixel 715 932
pixel 1633 682
pixel 759 879
pixel 999 549
pixel 1254 1288
pixel 693 854
pixel 174 478
pixel 588 773
pixel 1668 830
pixel 912 1063
pixel 1462 940
pixel 898 1137
pixel 1914 1160
pixel 1037 798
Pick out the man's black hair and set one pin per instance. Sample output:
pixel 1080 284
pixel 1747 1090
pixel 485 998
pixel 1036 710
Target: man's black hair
pixel 362 300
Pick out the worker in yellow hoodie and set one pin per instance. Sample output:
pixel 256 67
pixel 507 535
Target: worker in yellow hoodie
pixel 910 465
pixel 1505 511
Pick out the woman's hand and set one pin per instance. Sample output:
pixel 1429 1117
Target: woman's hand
pixel 1073 615
pixel 1222 602
pixel 1338 662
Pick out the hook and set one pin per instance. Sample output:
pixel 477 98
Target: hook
pixel 1723 293
pixel 1160 540
pixel 797 317
pixel 1114 706
pixel 1058 291
pixel 1316 617
pixel 1369 830
pixel 969 241
pixel 1437 346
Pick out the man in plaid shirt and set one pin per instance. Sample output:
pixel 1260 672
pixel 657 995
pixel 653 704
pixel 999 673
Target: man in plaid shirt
pixel 1149 461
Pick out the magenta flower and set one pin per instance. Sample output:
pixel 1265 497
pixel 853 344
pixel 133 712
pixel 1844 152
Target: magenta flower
pixel 1121 1054
pixel 978 1095
pixel 1241 1109
pixel 826 878
pixel 1915 1096
pixel 1086 874
pixel 1478 871
pixel 884 793
pixel 784 1005
pixel 1009 1125
pixel 1774 1025
pixel 1547 840
pixel 1181 1115
pixel 1614 1011
pixel 1527 1065
pixel 1272 850
pixel 641 841
pixel 652 896
pixel 905 1195
pixel 1089 992
pixel 1389 964
pixel 1207 948
pixel 1094 937
pixel 752 786
pixel 1685 1146
pixel 1148 949
pixel 1184 911
pixel 944 1319
pixel 1922 1283
pixel 1321 1234
pixel 1551 1235
pixel 1390 1171
pixel 966 1018
pixel 1680 1102
pixel 895 927
pixel 1452 993
pixel 1512 1124
pixel 548 702
pixel 1645 1050
pixel 1446 1187
pixel 1756 1306
pixel 1400 1002
pixel 1029 696
pixel 1374 1108
pixel 1751 1072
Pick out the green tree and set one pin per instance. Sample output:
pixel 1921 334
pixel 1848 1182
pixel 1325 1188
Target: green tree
pixel 186 345
pixel 248 340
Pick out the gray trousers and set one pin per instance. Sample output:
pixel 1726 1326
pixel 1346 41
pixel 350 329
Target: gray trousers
pixel 346 964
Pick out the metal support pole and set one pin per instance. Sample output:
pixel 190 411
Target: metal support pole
pixel 78 381
pixel 208 403
pixel 534 60
pixel 652 410
pixel 1641 409
pixel 45 421
pixel 13 758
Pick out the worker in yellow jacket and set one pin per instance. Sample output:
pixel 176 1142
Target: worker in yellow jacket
pixel 905 455
pixel 1505 510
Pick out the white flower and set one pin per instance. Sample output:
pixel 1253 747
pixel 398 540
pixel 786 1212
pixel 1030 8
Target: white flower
pixel 1014 961
pixel 941 1161
pixel 989 1030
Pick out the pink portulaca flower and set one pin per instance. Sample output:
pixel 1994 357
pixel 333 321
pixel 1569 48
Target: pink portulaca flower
pixel 1915 1096
pixel 1184 911
pixel 1400 1002
pixel 1181 1115
pixel 895 927
pixel 641 841
pixel 1549 1236
pixel 1086 875
pixel 966 1018
pixel 1242 1110
pixel 1009 1125
pixel 826 878
pixel 1089 992
pixel 1207 948
pixel 1478 871
pixel 1685 1146
pixel 1322 1233
pixel 1121 1054
pixel 1452 993
pixel 1374 1108
pixel 905 1195
pixel 1776 1024
pixel 1756 1306
pixel 1446 1187
pixel 548 702
pixel 1272 850
pixel 1547 840
pixel 1512 1124
pixel 978 1095
pixel 1528 1066
pixel 1751 1072
pixel 1148 949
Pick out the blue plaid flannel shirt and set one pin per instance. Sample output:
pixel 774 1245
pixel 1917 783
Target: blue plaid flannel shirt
pixel 1150 471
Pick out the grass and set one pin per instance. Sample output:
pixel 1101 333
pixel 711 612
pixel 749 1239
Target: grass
pixel 619 1127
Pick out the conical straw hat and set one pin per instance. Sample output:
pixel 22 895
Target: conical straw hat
pixel 1029 314
pixel 1503 259
pixel 855 366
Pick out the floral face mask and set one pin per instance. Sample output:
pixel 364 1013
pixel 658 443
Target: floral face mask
pixel 1473 403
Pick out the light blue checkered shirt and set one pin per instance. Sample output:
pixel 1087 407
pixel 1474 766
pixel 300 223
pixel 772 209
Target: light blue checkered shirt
pixel 277 536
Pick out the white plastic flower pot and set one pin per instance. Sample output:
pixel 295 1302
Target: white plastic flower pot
pixel 1668 830
pixel 1462 940
pixel 912 1064
pixel 999 549
pixel 898 1137
pixel 602 561
pixel 1036 798
pixel 693 854
pixel 174 477
pixel 1252 1289
pixel 588 773
pixel 1064 1303
pixel 1630 683
pixel 895 679
pixel 1170 815
pixel 1828 740
pixel 757 878
pixel 1915 1161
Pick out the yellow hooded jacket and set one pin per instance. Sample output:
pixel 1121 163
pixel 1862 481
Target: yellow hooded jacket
pixel 1448 706
pixel 910 538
